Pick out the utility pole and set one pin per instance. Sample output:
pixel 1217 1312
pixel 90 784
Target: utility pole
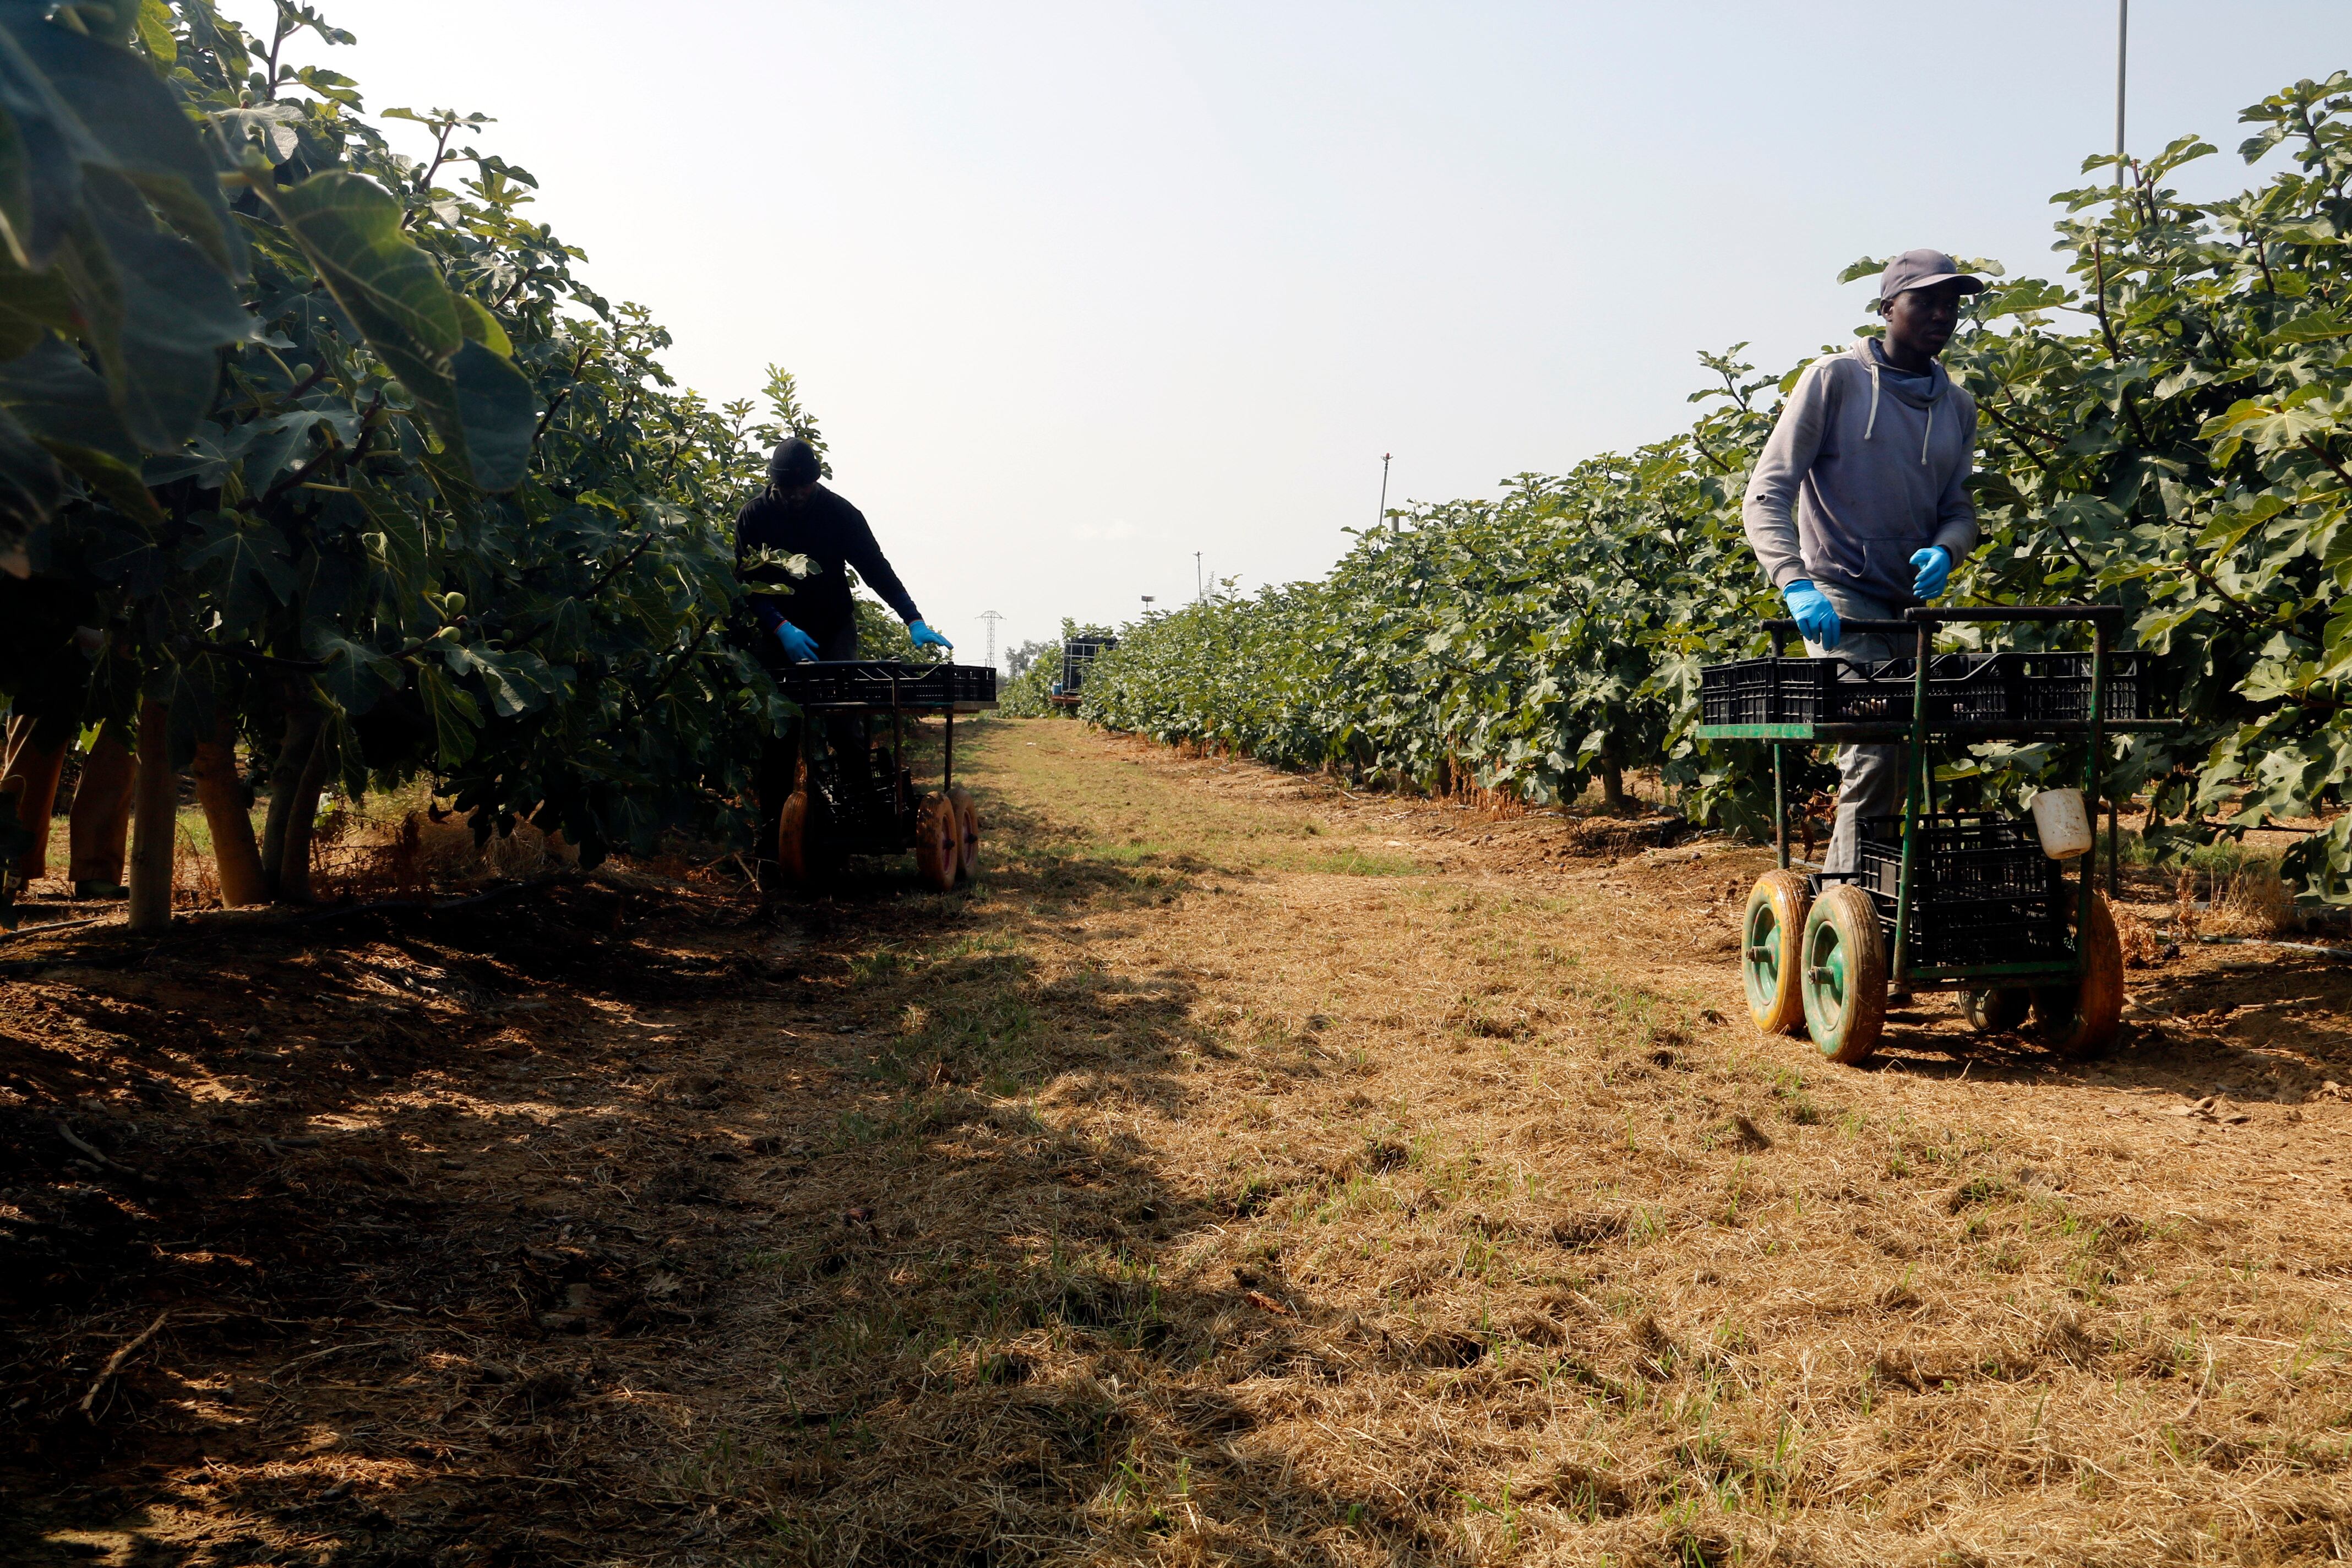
pixel 1198 591
pixel 2123 42
pixel 992 617
pixel 1384 490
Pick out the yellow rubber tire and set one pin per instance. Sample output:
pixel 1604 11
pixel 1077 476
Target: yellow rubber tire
pixel 799 854
pixel 938 842
pixel 1771 937
pixel 1844 974
pixel 968 833
pixel 2081 1019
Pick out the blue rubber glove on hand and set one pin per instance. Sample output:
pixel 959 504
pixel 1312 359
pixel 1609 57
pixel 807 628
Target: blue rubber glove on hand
pixel 799 647
pixel 1816 618
pixel 1934 564
pixel 925 637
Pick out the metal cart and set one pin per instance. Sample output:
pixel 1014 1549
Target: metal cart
pixel 1942 901
pixel 852 792
pixel 1078 654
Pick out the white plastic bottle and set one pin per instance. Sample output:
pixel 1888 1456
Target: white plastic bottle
pixel 2063 825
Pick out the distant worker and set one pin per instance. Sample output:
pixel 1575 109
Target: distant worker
pixel 1859 506
pixel 798 516
pixel 817 618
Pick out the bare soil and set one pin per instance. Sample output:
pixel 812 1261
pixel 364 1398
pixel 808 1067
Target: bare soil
pixel 1241 1171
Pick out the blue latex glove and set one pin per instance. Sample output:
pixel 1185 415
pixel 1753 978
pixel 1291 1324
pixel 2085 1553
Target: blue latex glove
pixel 1934 564
pixel 925 637
pixel 1816 618
pixel 799 647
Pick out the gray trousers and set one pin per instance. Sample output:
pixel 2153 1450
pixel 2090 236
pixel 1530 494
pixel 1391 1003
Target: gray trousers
pixel 1870 778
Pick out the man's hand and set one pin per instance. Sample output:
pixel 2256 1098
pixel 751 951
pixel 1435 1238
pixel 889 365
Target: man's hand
pixel 925 637
pixel 1934 564
pixel 799 647
pixel 1816 618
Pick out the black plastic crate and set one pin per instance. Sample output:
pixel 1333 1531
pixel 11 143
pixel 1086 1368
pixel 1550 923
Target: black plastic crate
pixel 2055 688
pixel 1982 890
pixel 878 682
pixel 1760 691
pixel 1960 687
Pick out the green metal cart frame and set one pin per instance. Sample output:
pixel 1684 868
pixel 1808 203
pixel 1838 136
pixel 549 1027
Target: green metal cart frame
pixel 2094 728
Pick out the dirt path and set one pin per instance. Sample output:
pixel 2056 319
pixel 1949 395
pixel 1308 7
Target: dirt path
pixel 1243 1171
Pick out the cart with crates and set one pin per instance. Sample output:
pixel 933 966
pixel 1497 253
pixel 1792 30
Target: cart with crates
pixel 853 792
pixel 1078 654
pixel 1947 901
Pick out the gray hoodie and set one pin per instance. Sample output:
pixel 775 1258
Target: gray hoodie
pixel 1875 466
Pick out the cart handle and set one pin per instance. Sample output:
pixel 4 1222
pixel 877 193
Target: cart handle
pixel 2113 614
pixel 1921 615
pixel 1788 629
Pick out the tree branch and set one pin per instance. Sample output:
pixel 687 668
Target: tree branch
pixel 2099 273
pixel 2016 434
pixel 1708 455
pixel 2226 596
pixel 2311 444
pixel 253 655
pixel 677 663
pixel 114 1362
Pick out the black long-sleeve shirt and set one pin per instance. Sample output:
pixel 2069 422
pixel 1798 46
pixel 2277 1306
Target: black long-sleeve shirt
pixel 832 533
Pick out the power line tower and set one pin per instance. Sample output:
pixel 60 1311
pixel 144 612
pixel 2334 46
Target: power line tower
pixel 992 617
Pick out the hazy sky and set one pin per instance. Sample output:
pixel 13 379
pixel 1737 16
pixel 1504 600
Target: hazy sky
pixel 1077 290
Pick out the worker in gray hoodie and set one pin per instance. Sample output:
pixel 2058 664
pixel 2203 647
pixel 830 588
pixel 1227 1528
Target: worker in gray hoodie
pixel 1859 506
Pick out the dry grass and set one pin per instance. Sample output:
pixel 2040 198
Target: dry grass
pixel 2247 900
pixel 1247 1174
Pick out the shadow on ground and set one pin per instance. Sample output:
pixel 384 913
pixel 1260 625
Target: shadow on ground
pixel 619 1223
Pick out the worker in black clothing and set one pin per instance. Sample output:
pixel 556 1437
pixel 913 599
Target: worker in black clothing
pixel 814 617
pixel 798 516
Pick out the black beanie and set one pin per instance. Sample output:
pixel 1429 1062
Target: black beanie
pixel 793 465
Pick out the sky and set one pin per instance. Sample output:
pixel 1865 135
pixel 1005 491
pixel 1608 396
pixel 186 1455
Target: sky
pixel 1077 289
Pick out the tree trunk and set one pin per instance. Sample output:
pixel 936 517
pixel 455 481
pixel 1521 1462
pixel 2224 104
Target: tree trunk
pixel 294 867
pixel 1612 784
pixel 221 794
pixel 295 748
pixel 154 828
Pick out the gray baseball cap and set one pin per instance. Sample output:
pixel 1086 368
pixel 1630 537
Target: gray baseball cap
pixel 1924 269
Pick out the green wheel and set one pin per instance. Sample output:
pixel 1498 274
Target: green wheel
pixel 1844 975
pixel 1770 937
pixel 1998 1011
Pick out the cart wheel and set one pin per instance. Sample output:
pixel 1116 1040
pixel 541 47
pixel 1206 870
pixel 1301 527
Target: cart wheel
pixel 1998 1011
pixel 968 833
pixel 938 848
pixel 802 840
pixel 1843 976
pixel 2079 1020
pixel 796 838
pixel 1772 933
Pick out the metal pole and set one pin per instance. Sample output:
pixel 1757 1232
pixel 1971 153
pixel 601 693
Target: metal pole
pixel 1779 810
pixel 1384 490
pixel 2123 40
pixel 1197 593
pixel 2092 787
pixel 1918 801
